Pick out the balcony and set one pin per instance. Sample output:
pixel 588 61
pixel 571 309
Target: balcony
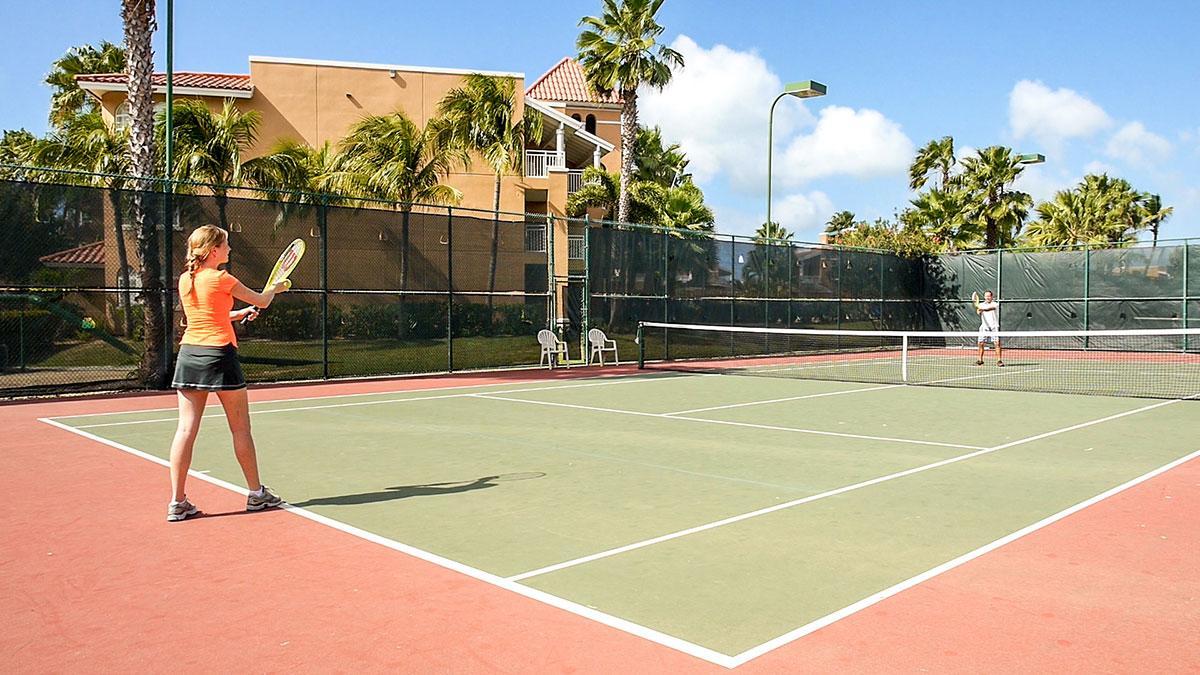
pixel 539 162
pixel 535 238
pixel 574 180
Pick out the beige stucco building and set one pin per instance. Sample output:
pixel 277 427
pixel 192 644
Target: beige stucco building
pixel 317 102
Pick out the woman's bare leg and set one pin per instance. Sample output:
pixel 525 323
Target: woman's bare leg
pixel 191 409
pixel 237 413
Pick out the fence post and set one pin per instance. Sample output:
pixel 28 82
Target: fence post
pixel 450 289
pixel 323 234
pixel 168 299
pixel 666 313
pixel 1087 292
pixel 551 279
pixel 1185 293
pixel 586 302
pixel 21 336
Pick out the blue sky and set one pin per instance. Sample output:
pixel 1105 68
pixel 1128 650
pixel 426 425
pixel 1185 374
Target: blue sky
pixel 1094 85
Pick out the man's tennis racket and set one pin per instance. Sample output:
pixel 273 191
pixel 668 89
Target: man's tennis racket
pixel 283 267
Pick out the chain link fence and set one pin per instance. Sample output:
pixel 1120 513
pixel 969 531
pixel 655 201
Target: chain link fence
pixel 391 290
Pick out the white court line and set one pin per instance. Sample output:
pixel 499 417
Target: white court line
pixel 609 620
pixel 625 376
pixel 817 624
pixel 726 422
pixel 614 380
pixel 781 400
pixel 829 493
pixel 1010 371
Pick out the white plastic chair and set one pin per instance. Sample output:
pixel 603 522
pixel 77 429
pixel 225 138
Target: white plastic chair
pixel 598 343
pixel 551 347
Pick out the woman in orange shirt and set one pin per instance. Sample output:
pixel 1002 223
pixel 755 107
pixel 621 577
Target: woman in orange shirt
pixel 208 361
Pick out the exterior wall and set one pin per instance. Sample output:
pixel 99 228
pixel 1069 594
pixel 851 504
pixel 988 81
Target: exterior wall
pixel 608 127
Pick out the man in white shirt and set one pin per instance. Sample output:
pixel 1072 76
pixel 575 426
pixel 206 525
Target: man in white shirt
pixel 989 325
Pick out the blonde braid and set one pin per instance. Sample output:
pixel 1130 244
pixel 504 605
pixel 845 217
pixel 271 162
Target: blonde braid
pixel 201 243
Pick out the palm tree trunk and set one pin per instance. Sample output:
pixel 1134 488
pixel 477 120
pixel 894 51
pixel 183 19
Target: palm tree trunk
pixel 495 247
pixel 629 126
pixel 114 197
pixel 138 19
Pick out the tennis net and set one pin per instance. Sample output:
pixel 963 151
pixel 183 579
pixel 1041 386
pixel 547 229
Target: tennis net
pixel 1160 363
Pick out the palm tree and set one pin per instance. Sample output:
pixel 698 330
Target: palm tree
pixel 388 157
pixel 1154 214
pixel 989 202
pixel 85 143
pixel 619 52
pixel 480 117
pixel 682 207
pixel 656 163
pixel 137 17
pixel 15 146
pixel 1073 217
pixel 68 99
pixel 937 155
pixel 209 148
pixel 941 214
pixel 839 223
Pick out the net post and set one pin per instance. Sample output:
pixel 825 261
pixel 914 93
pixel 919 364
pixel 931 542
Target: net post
pixel 640 338
pixel 904 358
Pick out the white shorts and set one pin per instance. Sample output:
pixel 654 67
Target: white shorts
pixel 988 336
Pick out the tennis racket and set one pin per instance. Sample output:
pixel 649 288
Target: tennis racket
pixel 283 267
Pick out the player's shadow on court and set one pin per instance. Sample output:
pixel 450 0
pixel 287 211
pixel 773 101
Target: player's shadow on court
pixel 402 492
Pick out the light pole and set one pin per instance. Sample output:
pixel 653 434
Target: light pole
pixel 1033 158
pixel 805 89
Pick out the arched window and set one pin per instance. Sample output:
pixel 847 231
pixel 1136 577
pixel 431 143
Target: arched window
pixel 576 117
pixel 590 124
pixel 123 117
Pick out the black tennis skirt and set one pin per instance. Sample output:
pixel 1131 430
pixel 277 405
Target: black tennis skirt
pixel 208 368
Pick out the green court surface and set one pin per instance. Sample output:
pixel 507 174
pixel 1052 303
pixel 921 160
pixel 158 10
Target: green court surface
pixel 722 510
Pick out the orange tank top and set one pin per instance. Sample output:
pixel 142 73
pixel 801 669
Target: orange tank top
pixel 207 301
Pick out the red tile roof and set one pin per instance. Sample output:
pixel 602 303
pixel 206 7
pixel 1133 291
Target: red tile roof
pixel 184 79
pixel 88 255
pixel 565 83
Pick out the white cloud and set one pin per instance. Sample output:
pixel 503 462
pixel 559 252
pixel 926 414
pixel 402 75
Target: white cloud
pixel 803 214
pixel 1134 144
pixel 850 142
pixel 1052 116
pixel 1041 184
pixel 1096 167
pixel 716 107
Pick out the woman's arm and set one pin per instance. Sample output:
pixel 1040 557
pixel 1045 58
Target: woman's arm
pixel 255 298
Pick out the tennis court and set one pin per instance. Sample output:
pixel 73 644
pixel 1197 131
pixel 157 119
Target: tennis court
pixel 719 514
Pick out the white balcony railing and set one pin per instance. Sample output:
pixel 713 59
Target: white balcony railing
pixel 539 162
pixel 574 180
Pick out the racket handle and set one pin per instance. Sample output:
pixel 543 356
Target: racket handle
pixel 246 319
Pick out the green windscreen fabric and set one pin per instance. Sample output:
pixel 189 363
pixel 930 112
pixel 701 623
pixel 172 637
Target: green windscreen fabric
pixel 1193 258
pixel 1134 314
pixel 1052 275
pixel 1145 272
pixel 1041 315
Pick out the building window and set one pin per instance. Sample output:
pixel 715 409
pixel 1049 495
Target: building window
pixel 590 124
pixel 576 117
pixel 123 117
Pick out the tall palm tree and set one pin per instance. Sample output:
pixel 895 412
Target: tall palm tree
pixel 15 146
pixel 68 100
pixel 388 157
pixel 619 52
pixel 839 223
pixel 999 210
pixel 658 163
pixel 1154 214
pixel 935 156
pixel 1073 217
pixel 481 117
pixel 137 17
pixel 682 207
pixel 86 144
